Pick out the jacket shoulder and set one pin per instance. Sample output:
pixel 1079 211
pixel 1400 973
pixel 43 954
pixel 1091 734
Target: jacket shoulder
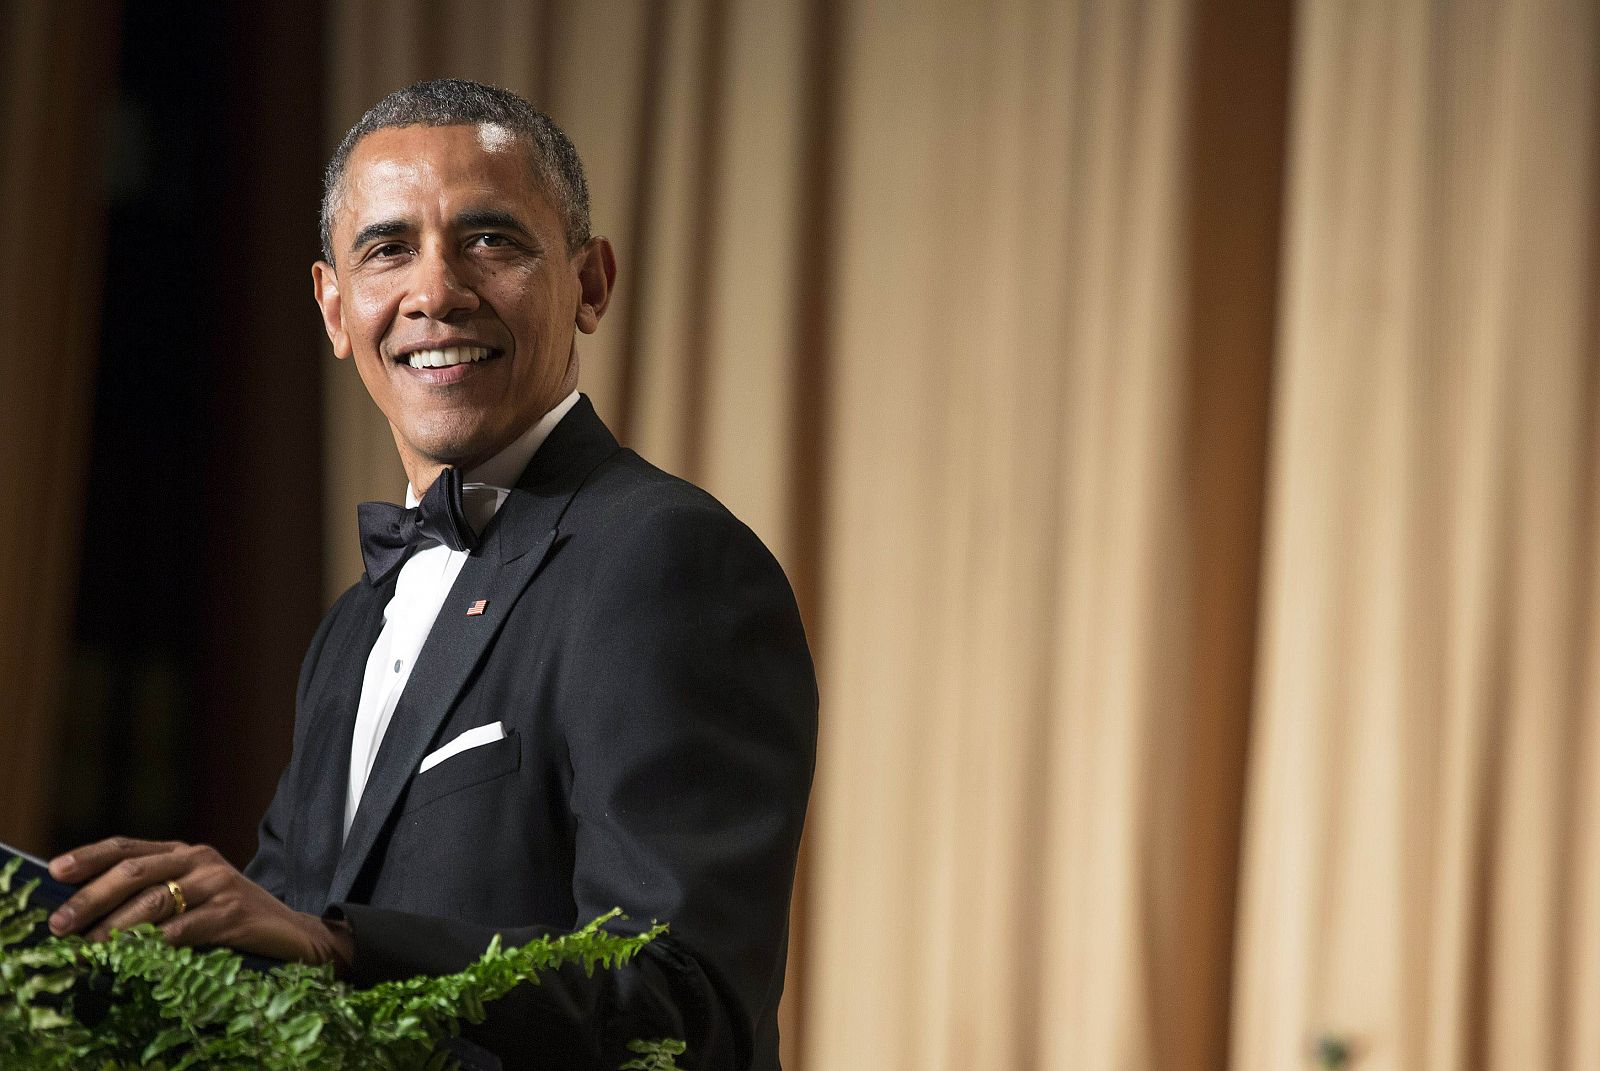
pixel 628 490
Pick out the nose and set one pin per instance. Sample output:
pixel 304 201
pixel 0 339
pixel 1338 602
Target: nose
pixel 438 291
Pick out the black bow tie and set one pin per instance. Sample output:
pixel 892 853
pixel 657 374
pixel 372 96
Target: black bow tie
pixel 389 533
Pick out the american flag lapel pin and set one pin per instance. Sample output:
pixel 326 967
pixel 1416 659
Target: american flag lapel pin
pixel 476 609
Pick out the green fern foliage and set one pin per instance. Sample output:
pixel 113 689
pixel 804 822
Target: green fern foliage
pixel 654 1055
pixel 159 1008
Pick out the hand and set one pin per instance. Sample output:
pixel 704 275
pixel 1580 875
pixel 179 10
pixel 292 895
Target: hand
pixel 125 883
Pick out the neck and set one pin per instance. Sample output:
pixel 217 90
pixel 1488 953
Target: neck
pixel 422 472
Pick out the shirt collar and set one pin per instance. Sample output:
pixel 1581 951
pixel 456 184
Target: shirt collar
pixel 484 488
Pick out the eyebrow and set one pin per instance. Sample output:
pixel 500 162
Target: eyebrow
pixel 387 228
pixel 492 217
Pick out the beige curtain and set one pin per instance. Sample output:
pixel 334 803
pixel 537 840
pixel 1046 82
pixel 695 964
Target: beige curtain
pixel 1007 608
pixel 1150 739
pixel 1424 862
pixel 59 66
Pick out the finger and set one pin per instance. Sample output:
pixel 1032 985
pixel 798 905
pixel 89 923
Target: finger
pixel 157 904
pixel 196 926
pixel 151 905
pixel 111 889
pixel 131 876
pixel 215 922
pixel 247 918
pixel 81 864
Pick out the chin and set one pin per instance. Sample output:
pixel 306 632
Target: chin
pixel 452 446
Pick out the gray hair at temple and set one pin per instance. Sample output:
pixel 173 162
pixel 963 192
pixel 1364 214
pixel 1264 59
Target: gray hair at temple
pixel 456 101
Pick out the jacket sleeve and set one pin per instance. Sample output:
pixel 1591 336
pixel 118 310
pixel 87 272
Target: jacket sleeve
pixel 269 868
pixel 691 733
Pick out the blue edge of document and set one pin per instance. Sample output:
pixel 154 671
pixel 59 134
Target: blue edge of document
pixel 51 893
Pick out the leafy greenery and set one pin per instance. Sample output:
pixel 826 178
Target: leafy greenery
pixel 655 1055
pixel 168 1008
pixel 1331 1051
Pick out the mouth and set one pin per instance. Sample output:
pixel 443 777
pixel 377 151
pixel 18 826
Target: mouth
pixel 446 356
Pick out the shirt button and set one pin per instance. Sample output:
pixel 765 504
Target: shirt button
pixel 397 664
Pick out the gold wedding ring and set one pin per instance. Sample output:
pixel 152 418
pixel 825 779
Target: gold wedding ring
pixel 177 897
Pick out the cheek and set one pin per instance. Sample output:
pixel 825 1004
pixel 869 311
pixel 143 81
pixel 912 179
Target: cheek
pixel 379 388
pixel 526 291
pixel 368 312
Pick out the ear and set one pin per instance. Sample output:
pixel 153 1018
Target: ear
pixel 597 274
pixel 325 291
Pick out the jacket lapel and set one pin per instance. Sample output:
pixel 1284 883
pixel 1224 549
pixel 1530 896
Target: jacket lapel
pixel 513 547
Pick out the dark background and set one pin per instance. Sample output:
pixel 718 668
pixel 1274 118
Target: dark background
pixel 200 568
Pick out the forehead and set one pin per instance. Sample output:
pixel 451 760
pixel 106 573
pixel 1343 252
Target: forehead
pixel 401 171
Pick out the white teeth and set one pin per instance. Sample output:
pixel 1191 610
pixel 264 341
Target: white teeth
pixel 447 357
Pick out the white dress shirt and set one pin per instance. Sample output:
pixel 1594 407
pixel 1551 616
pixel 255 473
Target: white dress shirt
pixel 420 589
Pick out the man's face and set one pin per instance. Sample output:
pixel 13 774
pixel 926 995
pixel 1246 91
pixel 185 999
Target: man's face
pixel 453 290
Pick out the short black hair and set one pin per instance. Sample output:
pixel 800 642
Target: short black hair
pixel 456 101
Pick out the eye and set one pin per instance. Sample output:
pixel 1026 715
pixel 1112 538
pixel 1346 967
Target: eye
pixel 490 241
pixel 386 250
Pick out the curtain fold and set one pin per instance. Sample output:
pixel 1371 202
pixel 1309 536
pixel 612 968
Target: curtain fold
pixel 59 69
pixel 1002 602
pixel 1419 787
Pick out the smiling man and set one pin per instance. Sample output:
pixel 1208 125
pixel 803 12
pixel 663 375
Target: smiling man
pixel 567 681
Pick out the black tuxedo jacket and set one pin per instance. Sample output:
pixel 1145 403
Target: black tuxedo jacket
pixel 644 652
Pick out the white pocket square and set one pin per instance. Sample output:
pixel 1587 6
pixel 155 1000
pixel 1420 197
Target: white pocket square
pixel 483 734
